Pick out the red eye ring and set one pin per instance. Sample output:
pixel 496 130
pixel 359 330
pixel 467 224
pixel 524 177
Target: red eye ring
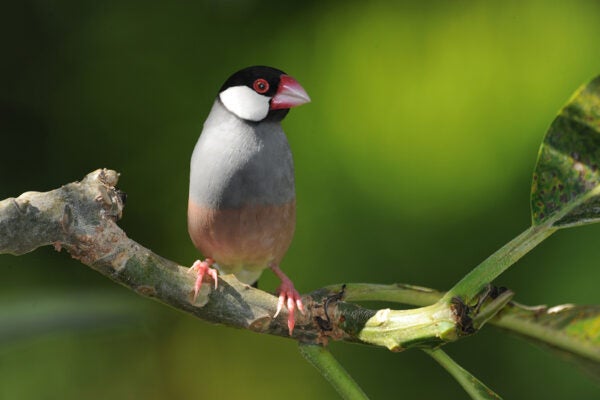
pixel 260 86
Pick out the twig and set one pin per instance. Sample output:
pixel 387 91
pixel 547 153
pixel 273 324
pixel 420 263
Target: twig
pixel 331 370
pixel 476 389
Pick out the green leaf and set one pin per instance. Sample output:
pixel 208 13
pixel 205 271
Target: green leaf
pixel 572 331
pixel 566 182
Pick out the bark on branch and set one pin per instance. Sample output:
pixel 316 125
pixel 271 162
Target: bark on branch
pixel 81 217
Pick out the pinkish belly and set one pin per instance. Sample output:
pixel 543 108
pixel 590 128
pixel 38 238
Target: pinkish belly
pixel 252 238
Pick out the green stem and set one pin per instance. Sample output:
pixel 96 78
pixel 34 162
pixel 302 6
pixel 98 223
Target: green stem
pixel 333 371
pixel 469 286
pixel 473 386
pixel 519 319
pixel 396 292
pixel 419 327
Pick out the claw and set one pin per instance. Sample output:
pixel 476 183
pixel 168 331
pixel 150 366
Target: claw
pixel 202 268
pixel 288 296
pixel 300 306
pixel 279 305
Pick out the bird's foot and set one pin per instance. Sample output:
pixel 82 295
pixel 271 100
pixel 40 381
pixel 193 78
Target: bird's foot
pixel 202 268
pixel 289 296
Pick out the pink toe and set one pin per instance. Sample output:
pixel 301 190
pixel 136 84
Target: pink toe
pixel 291 323
pixel 198 284
pixel 202 268
pixel 213 273
pixel 289 296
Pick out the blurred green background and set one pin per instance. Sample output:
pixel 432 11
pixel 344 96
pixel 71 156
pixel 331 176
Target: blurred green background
pixel 413 164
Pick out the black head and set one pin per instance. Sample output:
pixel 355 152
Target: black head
pixel 249 76
pixel 258 93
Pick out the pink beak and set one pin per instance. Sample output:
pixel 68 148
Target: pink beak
pixel 290 94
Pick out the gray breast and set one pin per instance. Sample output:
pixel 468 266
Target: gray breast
pixel 236 163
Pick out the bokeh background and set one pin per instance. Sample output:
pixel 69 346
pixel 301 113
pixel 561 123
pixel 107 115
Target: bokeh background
pixel 413 164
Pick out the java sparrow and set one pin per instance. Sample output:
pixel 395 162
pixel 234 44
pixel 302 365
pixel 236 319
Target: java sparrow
pixel 242 200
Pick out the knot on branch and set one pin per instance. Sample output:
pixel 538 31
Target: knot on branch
pixel 88 227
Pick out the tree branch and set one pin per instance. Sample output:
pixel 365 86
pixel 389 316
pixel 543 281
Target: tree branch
pixel 81 218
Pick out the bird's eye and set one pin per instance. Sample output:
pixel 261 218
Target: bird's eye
pixel 261 86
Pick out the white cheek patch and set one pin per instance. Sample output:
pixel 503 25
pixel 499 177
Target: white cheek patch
pixel 245 103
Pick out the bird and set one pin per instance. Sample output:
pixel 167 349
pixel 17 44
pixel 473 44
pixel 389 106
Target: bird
pixel 242 200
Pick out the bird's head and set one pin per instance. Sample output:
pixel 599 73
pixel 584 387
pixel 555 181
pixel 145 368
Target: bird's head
pixel 257 93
